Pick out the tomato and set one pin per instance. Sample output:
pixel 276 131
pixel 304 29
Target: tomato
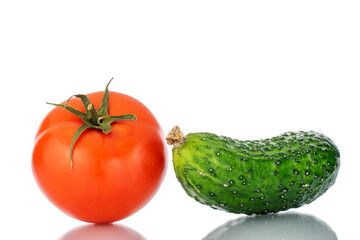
pixel 99 176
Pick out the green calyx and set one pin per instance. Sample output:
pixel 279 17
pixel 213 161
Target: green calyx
pixel 92 118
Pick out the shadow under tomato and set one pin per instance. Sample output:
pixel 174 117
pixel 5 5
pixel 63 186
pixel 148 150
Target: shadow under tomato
pixel 285 226
pixel 103 232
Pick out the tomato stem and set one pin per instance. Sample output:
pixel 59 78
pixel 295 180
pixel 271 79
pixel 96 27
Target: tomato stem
pixel 92 118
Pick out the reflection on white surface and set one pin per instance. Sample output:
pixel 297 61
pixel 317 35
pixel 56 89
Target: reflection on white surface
pixel 102 232
pixel 284 226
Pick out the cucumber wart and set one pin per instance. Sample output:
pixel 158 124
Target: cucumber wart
pixel 257 176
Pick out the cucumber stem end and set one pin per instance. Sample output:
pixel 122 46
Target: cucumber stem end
pixel 175 137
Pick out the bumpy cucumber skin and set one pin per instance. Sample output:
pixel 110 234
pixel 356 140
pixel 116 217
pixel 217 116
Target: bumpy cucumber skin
pixel 258 176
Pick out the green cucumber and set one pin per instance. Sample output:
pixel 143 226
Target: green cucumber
pixel 257 176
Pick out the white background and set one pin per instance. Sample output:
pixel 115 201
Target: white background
pixel 244 69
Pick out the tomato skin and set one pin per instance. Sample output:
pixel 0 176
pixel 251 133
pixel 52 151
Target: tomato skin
pixel 114 174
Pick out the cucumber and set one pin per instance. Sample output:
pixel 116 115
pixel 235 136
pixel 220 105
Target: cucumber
pixel 257 176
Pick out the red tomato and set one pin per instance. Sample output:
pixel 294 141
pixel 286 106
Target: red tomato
pixel 113 175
